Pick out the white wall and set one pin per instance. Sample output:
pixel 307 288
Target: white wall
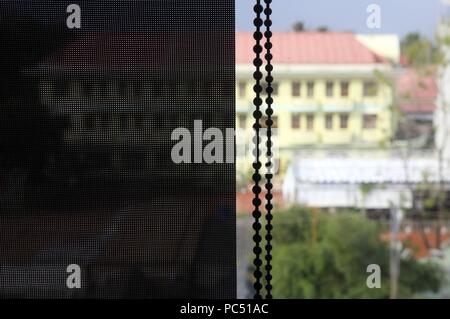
pixel 346 196
pixel 385 45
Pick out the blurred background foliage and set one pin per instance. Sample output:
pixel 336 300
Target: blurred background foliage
pixel 318 255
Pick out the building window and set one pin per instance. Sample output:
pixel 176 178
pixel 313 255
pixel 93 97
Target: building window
pixel 137 90
pixel 310 89
pixel 296 89
pixel 263 120
pixel 61 88
pixel 343 119
pixel 124 122
pixel 329 121
pixel 104 88
pixel 295 121
pixel 104 121
pixel 310 122
pixel 122 89
pixel 87 90
pixel 274 88
pixel 242 121
pixel 345 88
pixel 242 86
pixel 370 88
pixel 90 121
pixel 369 121
pixel 329 88
pixel 138 121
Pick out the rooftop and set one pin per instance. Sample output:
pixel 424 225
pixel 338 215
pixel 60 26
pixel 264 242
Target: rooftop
pixel 129 49
pixel 417 91
pixel 415 240
pixel 367 171
pixel 310 48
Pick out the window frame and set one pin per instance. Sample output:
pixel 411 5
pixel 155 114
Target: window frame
pixel 296 119
pixel 310 119
pixel 366 90
pixel 345 88
pixel 329 121
pixel 296 89
pixel 242 89
pixel 310 87
pixel 343 116
pixel 242 119
pixel 329 89
pixel 366 120
pixel 274 118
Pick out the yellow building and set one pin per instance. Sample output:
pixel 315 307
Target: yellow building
pixel 330 90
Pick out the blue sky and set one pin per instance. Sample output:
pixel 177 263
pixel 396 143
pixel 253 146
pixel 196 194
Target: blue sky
pixel 397 16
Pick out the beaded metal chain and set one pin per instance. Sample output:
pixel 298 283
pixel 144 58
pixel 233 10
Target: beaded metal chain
pixel 257 114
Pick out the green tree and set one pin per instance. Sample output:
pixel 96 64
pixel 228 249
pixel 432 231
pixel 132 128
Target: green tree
pixel 334 264
pixel 419 50
pixel 299 26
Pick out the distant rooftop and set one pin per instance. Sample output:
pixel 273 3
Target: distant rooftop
pixel 137 49
pixel 148 49
pixel 337 182
pixel 415 241
pixel 310 48
pixel 367 170
pixel 417 92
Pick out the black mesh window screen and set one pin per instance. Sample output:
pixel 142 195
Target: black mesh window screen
pixel 117 179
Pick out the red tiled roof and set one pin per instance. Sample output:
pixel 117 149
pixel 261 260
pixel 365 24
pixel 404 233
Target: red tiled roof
pixel 149 49
pixel 310 48
pixel 415 241
pixel 419 107
pixel 139 49
pixel 417 93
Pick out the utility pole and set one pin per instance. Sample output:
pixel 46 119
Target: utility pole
pixel 395 247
